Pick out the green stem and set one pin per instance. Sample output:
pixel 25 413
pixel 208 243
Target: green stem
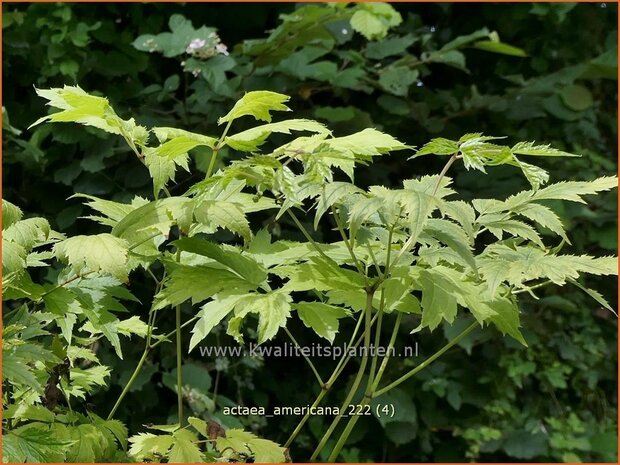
pixel 307 235
pixel 347 431
pixel 347 242
pixel 312 367
pixel 344 360
pixel 216 150
pixel 413 239
pixel 428 361
pixel 373 364
pixel 138 368
pixel 356 382
pixel 165 337
pixel 300 425
pixel 386 359
pixel 134 375
pixel 370 395
pixel 212 163
pixel 179 365
pixel 374 260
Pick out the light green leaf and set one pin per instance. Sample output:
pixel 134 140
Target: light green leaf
pixel 184 451
pixel 438 146
pixel 227 215
pixel 162 169
pixel 28 232
pixel 594 294
pixel 211 314
pixel 243 265
pixel 113 211
pixel 322 318
pixel 438 301
pixel 10 214
pixel 257 104
pixel 148 445
pixel 273 309
pixel 529 148
pixel 266 451
pixel 33 443
pixel 369 25
pixel 79 107
pixel 418 207
pixel 333 193
pixel 544 216
pixel 499 47
pixel 573 190
pixel 198 283
pixel 102 253
pixel 516 228
pixel 251 139
pixel 453 236
pixel 506 318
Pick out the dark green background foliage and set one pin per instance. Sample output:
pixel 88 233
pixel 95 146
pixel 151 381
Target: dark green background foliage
pixel 493 401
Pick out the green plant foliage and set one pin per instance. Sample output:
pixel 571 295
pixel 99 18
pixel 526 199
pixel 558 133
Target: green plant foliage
pixel 392 222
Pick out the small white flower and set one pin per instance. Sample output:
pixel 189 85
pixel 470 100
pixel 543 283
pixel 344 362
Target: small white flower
pixel 221 48
pixel 196 44
pixel 344 31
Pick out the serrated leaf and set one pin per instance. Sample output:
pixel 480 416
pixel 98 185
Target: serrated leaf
pixel 438 301
pixel 140 225
pixel 519 265
pixel 573 190
pixel 242 265
pixel 319 274
pixel 544 216
pixel 506 318
pixel 33 443
pixel 113 212
pixel 250 139
pixel 163 169
pixel 418 207
pixel 184 451
pixel 266 451
pixel 148 445
pixel 516 228
pixel 331 194
pixel 211 314
pixel 369 25
pixel 28 232
pixel 222 214
pixel 438 146
pixel 542 150
pixel 10 214
pixel 535 175
pixel 198 283
pixel 80 107
pixel 102 253
pixel 273 309
pixel 322 318
pixel 462 212
pixel 594 294
pixel 453 236
pixel 258 104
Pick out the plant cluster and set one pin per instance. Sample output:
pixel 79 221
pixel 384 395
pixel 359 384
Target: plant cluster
pixel 413 253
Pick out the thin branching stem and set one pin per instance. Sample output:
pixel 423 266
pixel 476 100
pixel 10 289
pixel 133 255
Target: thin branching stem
pixel 312 367
pixel 356 381
pixel 428 361
pixel 348 242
